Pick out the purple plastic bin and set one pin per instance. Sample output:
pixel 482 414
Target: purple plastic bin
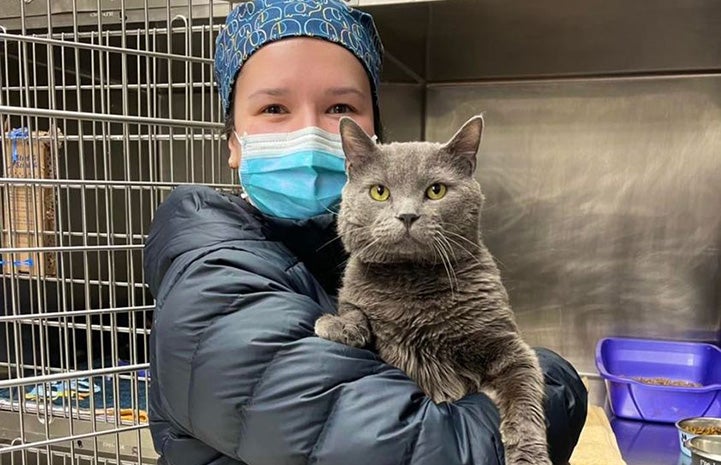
pixel 620 359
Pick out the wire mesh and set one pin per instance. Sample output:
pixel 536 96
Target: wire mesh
pixel 105 107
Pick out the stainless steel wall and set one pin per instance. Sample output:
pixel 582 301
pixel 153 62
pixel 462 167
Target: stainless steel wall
pixel 402 111
pixel 603 196
pixel 603 204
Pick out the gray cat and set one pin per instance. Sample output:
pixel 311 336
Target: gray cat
pixel 422 289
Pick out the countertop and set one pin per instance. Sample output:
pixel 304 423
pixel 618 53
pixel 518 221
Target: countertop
pixel 640 443
pixel 648 443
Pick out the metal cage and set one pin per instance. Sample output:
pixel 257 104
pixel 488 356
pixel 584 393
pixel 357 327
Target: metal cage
pixel 105 106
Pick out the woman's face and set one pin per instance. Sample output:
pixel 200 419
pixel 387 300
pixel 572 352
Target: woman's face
pixel 296 83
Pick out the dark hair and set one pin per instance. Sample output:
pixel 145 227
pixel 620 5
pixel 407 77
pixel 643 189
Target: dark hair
pixel 230 114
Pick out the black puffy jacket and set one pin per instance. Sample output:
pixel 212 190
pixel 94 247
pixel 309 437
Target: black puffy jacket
pixel 238 376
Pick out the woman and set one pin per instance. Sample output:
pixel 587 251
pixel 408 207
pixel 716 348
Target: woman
pixel 238 376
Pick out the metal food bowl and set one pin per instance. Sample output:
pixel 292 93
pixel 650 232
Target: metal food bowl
pixel 705 450
pixel 685 429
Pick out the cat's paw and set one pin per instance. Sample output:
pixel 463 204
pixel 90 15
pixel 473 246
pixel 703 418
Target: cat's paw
pixel 335 328
pixel 329 327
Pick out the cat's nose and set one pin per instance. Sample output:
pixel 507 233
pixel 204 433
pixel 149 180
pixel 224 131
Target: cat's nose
pixel 408 219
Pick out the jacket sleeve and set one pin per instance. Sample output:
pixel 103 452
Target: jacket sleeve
pixel 239 368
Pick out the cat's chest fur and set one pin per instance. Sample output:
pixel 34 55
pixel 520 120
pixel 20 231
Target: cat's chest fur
pixel 399 298
pixel 422 321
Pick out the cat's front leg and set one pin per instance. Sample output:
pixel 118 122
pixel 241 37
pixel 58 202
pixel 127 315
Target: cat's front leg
pixel 519 392
pixel 350 327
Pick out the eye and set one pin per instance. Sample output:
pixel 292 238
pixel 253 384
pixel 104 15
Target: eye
pixel 274 109
pixel 437 191
pixel 340 108
pixel 380 193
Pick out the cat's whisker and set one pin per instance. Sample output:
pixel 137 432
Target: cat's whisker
pixel 447 246
pixel 332 212
pixel 367 246
pixel 448 235
pixel 363 249
pixel 445 260
pixel 327 243
pixel 463 238
pixel 440 254
pixel 478 246
pixel 445 240
pixel 470 254
pixel 455 278
pixel 451 264
pixel 370 244
pixel 436 255
pixel 338 237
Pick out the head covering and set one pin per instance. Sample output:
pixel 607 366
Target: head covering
pixel 256 23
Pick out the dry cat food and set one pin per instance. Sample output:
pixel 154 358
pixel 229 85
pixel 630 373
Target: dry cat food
pixel 705 430
pixel 666 382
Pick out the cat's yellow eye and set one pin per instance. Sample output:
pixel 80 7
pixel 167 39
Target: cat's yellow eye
pixel 437 191
pixel 380 193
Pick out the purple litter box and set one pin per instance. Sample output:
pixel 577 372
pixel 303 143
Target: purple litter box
pixel 619 360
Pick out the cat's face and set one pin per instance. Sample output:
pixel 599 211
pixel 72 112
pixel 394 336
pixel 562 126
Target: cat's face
pixel 410 202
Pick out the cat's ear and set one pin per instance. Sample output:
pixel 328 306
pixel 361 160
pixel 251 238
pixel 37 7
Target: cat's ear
pixel 463 146
pixel 358 147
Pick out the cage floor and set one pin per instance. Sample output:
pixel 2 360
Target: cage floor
pixel 128 399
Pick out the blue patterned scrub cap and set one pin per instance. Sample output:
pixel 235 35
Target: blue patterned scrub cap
pixel 256 23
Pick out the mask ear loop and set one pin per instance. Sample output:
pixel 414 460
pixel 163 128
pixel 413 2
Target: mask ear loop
pixel 240 176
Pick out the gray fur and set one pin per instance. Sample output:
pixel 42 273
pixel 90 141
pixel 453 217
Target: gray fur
pixel 428 297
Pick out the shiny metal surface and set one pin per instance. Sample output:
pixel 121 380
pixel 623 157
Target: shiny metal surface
pixel 402 110
pixel 33 15
pixel 460 40
pixel 474 39
pixel 603 204
pixel 689 424
pixel 467 40
pixel 362 3
pixel 643 443
pixel 706 447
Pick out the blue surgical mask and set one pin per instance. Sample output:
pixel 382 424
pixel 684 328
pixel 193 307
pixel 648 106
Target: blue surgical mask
pixel 293 175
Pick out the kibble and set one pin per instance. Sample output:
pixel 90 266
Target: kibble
pixel 703 430
pixel 667 382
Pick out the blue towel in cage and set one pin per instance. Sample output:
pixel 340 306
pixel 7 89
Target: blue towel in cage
pixel 130 394
pixel 103 398
pixel 79 388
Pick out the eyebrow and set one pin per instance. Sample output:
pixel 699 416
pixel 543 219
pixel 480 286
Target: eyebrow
pixel 339 91
pixel 270 91
pixel 281 91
